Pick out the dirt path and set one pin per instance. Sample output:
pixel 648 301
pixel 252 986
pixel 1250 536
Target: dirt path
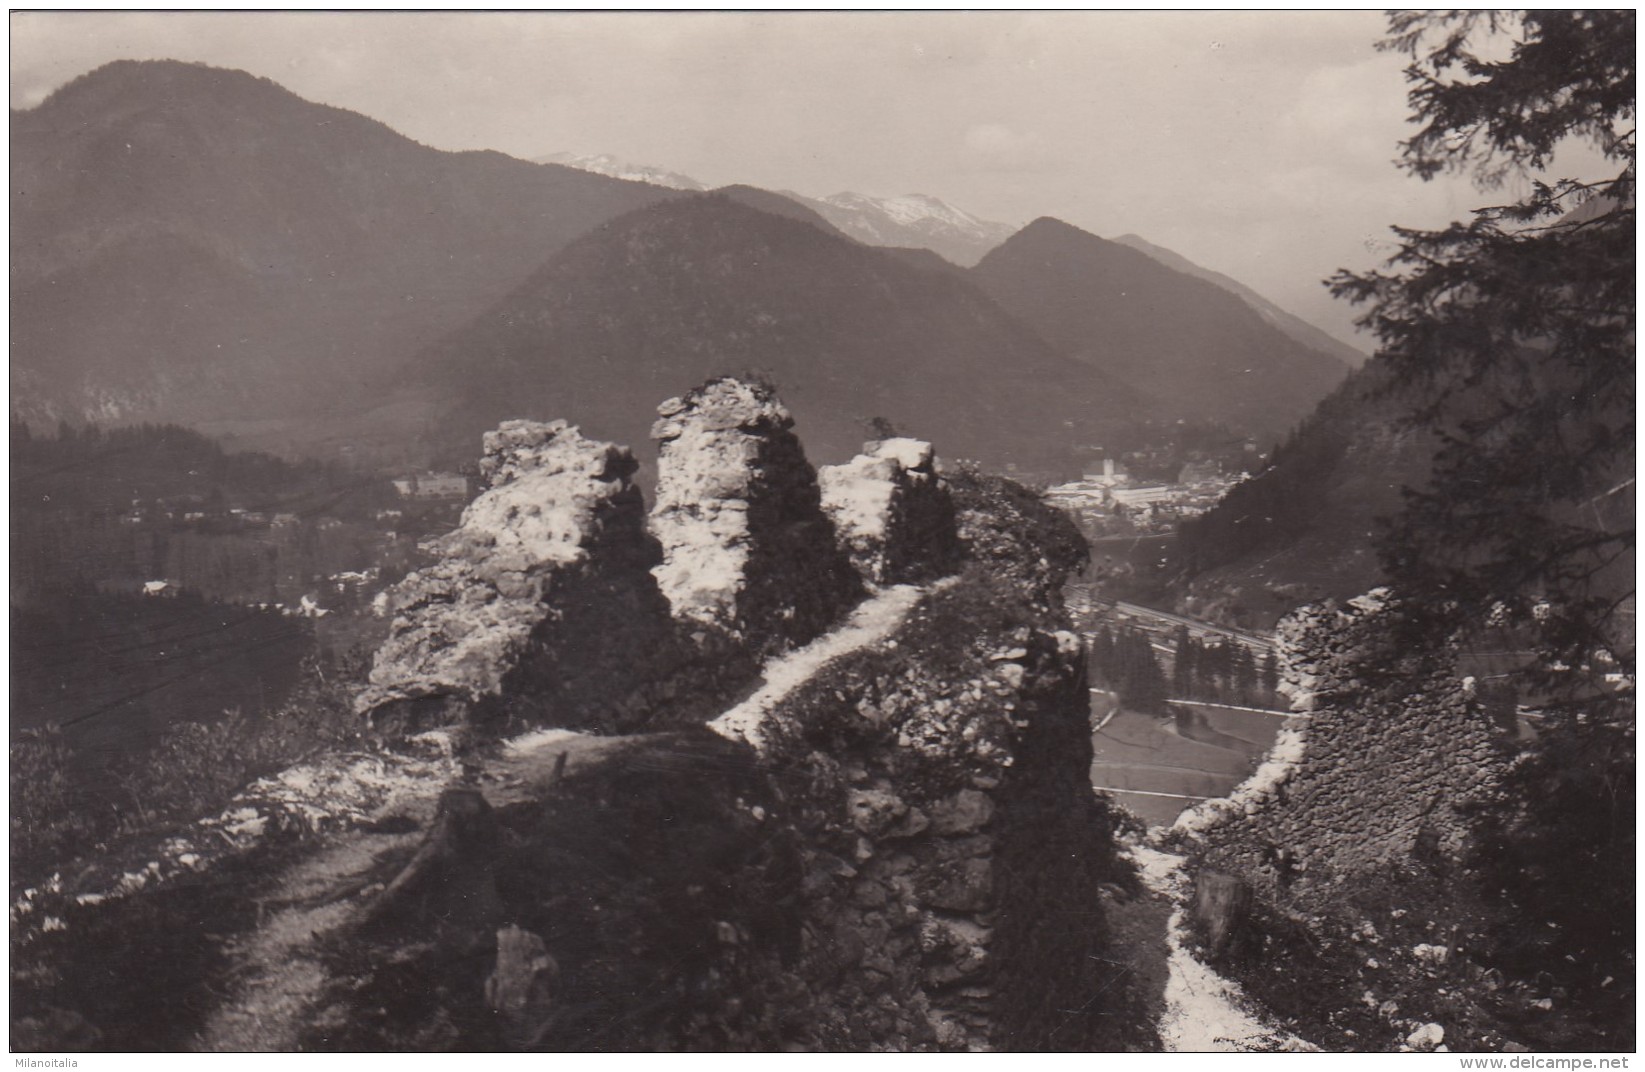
pixel 1203 1012
pixel 1196 1009
pixel 278 969
pixel 279 972
pixel 873 620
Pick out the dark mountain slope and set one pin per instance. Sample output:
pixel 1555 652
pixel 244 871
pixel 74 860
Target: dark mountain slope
pixel 1302 529
pixel 198 244
pixel 649 305
pixel 778 205
pixel 925 260
pixel 1201 352
pixel 1299 329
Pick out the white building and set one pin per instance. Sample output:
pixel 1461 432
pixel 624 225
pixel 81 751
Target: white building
pixel 432 486
pixel 1142 496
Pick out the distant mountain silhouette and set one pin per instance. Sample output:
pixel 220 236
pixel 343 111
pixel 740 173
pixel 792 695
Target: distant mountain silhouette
pixel 912 221
pixel 648 305
pixel 1199 351
pixel 1299 329
pixel 200 245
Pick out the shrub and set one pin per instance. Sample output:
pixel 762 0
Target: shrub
pixel 62 807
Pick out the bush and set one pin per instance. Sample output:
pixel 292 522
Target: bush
pixel 62 808
pixel 1007 527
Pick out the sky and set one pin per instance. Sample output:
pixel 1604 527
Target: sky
pixel 1259 144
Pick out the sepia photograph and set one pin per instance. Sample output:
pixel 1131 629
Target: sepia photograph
pixel 833 531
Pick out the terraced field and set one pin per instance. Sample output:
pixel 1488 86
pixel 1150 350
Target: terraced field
pixel 1157 766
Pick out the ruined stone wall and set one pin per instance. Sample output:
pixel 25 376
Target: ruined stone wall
pixel 1390 764
pixel 543 609
pixel 950 859
pixel 950 846
pixel 747 550
pixel 893 512
pixel 908 860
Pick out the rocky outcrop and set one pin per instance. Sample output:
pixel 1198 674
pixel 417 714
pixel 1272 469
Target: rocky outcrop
pixel 892 512
pixel 542 609
pixel 747 550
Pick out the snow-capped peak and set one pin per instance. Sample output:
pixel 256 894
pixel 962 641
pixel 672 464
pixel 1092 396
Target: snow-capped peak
pixel 910 209
pixel 914 220
pixel 611 166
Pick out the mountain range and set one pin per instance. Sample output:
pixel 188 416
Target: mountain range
pixel 612 167
pixel 1296 327
pixel 668 296
pixel 1199 351
pixel 912 221
pixel 920 221
pixel 199 245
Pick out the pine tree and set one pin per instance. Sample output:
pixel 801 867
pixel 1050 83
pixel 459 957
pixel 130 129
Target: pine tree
pixel 1143 688
pixel 1242 675
pixel 1268 680
pixel 1182 663
pixel 1513 335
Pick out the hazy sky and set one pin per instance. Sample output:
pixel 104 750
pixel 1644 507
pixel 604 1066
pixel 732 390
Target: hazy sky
pixel 1257 144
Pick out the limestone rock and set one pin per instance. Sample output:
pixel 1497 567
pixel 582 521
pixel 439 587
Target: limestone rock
pixel 892 511
pixel 746 547
pixel 1426 1037
pixel 555 542
pixel 521 987
pixel 966 812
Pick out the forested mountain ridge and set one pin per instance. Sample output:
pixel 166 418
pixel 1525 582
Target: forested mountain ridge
pixel 1302 528
pixel 197 244
pixel 708 286
pixel 1294 326
pixel 1199 351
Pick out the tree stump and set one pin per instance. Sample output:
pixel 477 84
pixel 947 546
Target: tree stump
pixel 1222 906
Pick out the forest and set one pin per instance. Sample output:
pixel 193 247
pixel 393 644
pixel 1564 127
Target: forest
pixel 1222 672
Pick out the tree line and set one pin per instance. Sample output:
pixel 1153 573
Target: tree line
pixel 1125 661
